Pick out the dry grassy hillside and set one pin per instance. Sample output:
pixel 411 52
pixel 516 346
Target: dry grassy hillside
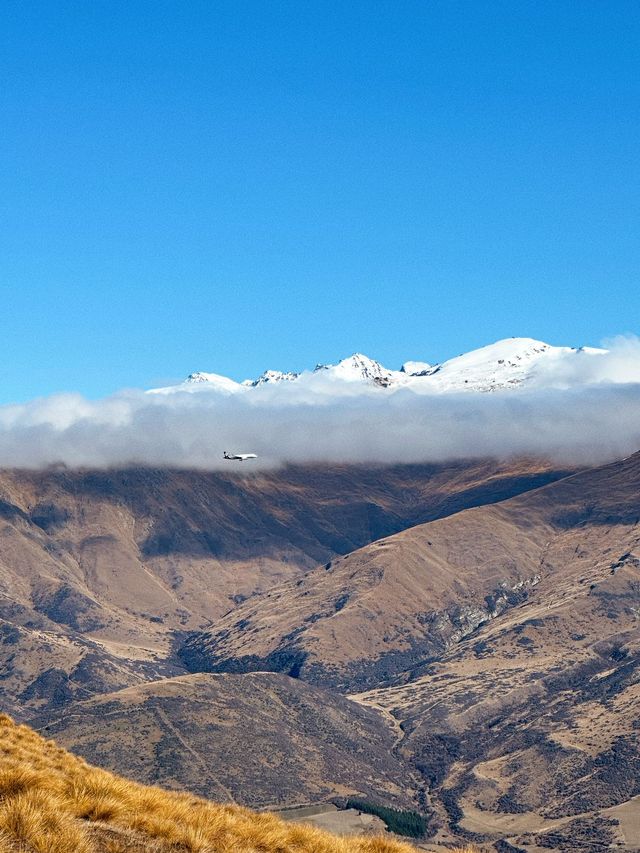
pixel 53 802
pixel 100 569
pixel 190 733
pixel 495 654
pixel 387 608
pixel 505 641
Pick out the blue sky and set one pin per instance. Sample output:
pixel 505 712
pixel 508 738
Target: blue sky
pixel 231 186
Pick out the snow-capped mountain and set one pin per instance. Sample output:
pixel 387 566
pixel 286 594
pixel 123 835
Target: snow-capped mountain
pixel 210 380
pixel 507 364
pixel 271 376
pixel 357 368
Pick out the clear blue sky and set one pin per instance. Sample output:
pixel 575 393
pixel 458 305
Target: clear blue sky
pixel 231 186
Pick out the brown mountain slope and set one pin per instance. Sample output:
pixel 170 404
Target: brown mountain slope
pixel 259 740
pixel 507 638
pixel 513 635
pixel 53 802
pixel 98 570
pixel 363 619
pixel 532 724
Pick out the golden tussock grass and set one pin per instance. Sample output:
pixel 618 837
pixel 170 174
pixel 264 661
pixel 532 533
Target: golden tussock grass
pixel 53 802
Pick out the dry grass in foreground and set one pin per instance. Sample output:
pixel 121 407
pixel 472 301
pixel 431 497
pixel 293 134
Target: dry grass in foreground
pixel 53 802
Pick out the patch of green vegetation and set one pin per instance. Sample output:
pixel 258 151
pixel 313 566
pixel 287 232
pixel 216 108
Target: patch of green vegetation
pixel 410 824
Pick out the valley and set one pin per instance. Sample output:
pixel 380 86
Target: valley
pixel 460 641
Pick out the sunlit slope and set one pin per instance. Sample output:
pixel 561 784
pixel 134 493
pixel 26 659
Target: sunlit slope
pixel 365 618
pixel 99 569
pixel 53 802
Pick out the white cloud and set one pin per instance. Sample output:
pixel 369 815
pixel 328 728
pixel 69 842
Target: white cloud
pixel 578 410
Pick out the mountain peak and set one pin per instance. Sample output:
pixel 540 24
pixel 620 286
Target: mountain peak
pixel 211 380
pixel 358 367
pixel 271 376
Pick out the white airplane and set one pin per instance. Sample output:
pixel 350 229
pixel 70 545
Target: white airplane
pixel 239 457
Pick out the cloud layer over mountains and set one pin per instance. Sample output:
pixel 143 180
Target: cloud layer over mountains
pixel 579 410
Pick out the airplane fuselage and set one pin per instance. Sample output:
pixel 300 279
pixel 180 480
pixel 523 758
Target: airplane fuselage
pixel 239 457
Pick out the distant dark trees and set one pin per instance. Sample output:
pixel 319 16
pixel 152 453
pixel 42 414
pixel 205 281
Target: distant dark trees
pixel 401 822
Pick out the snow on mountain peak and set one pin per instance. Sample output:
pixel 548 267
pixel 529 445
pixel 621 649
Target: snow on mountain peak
pixel 201 379
pixel 358 367
pixel 271 376
pixel 508 363
pixel 416 368
pixel 505 363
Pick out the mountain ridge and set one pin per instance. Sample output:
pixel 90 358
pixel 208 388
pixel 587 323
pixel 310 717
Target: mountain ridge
pixel 375 612
pixel 471 630
pixel 99 569
pixel 506 364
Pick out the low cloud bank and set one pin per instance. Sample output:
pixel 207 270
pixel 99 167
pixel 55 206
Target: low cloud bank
pixel 588 424
pixel 570 417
